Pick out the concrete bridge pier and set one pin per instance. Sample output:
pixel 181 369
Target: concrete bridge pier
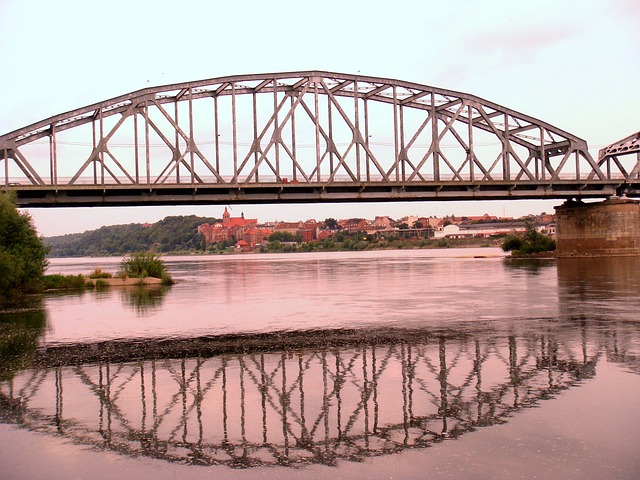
pixel 609 228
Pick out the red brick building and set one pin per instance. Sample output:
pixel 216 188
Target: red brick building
pixel 234 228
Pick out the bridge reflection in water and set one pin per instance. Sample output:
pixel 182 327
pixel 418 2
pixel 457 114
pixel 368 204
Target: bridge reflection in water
pixel 318 397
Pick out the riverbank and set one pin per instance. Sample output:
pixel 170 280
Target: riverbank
pixel 404 244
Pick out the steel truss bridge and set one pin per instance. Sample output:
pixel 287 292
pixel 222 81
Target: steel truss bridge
pixel 342 398
pixel 308 136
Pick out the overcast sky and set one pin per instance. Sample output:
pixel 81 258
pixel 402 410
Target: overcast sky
pixel 574 64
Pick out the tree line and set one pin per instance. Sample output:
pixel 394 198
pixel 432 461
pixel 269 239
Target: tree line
pixel 171 234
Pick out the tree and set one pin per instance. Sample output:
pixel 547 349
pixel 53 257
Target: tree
pixel 22 252
pixel 331 223
pixel 530 242
pixel 284 236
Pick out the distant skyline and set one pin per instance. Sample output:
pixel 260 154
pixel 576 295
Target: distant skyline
pixel 573 64
pixel 294 213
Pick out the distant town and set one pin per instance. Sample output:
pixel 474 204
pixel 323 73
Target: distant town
pixel 248 234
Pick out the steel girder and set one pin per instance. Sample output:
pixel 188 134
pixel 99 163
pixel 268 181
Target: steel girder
pixel 299 136
pixel 622 156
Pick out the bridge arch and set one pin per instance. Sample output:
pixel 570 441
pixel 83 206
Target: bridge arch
pixel 295 137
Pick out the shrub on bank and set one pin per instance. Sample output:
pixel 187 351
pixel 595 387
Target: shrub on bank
pixel 145 264
pixel 63 282
pixel 530 242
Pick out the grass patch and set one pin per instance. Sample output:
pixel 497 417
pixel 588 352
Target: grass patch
pixel 99 273
pixel 63 282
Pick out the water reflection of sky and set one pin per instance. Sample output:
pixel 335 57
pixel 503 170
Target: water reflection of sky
pixel 226 295
pixel 293 292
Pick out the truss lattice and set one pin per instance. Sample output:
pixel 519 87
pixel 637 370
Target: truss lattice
pixel 292 137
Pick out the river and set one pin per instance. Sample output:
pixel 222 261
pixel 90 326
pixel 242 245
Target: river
pixel 453 363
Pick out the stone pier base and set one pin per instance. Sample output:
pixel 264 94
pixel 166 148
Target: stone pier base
pixel 609 228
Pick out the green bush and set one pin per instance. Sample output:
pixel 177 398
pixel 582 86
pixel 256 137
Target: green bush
pixel 275 246
pixel 63 282
pixel 145 264
pixel 531 241
pixel 443 243
pixel 512 242
pixel 22 252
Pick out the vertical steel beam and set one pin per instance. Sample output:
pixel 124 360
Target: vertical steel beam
pixel 330 146
pixel 276 129
pixel 53 156
pixel 395 133
pixel 506 165
pixel 357 127
pixel 147 143
pixel 366 139
pixel 317 125
pixel 403 153
pixel 101 148
pixel 216 133
pixel 136 146
pixel 543 155
pixel 255 143
pixel 470 153
pixel 176 153
pixel 235 132
pixel 435 141
pixel 93 161
pixel 293 139
pixel 192 141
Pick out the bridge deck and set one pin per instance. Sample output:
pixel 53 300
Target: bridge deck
pixel 172 194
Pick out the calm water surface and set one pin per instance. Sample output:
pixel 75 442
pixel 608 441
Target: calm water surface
pixel 403 364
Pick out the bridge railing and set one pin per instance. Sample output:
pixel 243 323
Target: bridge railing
pixel 16 183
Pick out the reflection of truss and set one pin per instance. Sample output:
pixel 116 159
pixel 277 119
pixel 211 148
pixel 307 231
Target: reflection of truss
pixel 296 136
pixel 296 406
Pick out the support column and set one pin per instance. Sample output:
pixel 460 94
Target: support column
pixel 609 228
